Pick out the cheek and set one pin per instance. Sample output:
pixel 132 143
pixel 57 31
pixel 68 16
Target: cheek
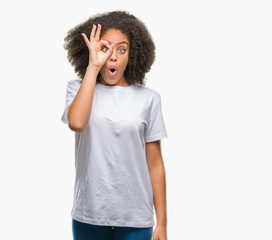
pixel 125 61
pixel 102 70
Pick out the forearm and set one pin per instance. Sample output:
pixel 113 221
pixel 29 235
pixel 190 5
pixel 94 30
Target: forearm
pixel 80 109
pixel 157 175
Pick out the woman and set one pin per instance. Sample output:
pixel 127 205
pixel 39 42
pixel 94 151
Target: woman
pixel 118 125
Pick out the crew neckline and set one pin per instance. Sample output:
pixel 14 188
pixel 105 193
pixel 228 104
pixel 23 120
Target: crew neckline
pixel 114 88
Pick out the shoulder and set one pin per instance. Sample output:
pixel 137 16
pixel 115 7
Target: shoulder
pixel 148 92
pixel 73 85
pixel 75 82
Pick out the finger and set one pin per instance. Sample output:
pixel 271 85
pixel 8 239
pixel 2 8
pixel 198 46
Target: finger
pixel 92 32
pixel 97 34
pixel 85 39
pixel 110 47
pixel 104 43
pixel 110 50
pixel 107 53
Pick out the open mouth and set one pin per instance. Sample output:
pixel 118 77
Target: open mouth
pixel 112 71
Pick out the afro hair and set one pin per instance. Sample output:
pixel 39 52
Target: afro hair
pixel 142 47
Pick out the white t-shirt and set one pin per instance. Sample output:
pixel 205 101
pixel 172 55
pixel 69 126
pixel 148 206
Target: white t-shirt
pixel 112 183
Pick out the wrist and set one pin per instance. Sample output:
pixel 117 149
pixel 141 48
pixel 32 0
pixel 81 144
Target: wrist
pixel 162 223
pixel 93 68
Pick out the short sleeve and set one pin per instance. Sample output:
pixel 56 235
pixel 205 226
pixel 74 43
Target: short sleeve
pixel 71 91
pixel 155 129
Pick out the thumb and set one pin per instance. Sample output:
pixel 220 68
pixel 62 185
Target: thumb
pixel 110 50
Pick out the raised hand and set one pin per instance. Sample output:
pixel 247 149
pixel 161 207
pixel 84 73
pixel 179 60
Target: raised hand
pixel 99 50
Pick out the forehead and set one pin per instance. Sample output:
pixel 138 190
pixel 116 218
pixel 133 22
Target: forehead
pixel 115 36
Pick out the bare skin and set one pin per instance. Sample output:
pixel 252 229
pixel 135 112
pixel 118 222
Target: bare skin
pixel 157 175
pixel 80 109
pixel 117 61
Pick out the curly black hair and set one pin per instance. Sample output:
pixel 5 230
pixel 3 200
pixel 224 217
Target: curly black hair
pixel 142 47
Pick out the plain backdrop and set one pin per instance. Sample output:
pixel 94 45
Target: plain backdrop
pixel 213 71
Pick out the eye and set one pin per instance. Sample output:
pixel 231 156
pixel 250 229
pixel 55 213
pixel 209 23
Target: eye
pixel 122 50
pixel 105 49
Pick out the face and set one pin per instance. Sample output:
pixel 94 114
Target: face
pixel 112 72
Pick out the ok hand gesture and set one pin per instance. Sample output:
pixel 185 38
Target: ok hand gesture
pixel 97 55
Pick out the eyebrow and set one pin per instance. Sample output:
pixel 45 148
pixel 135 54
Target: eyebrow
pixel 117 43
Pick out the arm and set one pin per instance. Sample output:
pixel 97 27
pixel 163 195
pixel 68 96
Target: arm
pixel 157 175
pixel 79 111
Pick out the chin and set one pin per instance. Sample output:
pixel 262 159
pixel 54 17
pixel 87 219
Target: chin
pixel 111 82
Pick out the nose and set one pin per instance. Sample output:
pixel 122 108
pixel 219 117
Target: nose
pixel 113 56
